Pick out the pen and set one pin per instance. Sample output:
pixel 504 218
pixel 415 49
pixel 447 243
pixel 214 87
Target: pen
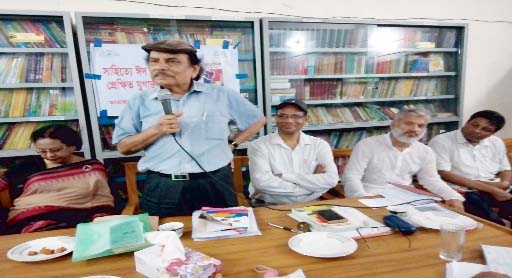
pixel 281 227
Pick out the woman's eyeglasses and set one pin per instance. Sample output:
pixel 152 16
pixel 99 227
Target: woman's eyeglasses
pixel 51 151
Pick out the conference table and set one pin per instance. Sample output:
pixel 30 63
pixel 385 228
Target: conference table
pixel 383 256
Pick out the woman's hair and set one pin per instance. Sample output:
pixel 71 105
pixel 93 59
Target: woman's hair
pixel 65 134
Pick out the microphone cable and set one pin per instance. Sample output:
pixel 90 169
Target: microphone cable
pixel 230 188
pixel 359 207
pixel 165 100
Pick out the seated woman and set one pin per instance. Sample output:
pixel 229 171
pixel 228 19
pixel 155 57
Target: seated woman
pixel 58 189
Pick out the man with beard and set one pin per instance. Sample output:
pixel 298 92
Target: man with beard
pixel 395 157
pixel 472 159
pixel 289 166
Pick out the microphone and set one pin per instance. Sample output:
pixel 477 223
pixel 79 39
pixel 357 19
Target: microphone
pixel 166 101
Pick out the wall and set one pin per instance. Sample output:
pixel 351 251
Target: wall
pixel 488 76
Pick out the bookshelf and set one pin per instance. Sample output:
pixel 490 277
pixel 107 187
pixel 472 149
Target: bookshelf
pixel 102 29
pixel 39 82
pixel 355 75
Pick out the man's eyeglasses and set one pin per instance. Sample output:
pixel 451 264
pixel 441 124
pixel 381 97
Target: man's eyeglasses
pixel 292 116
pixel 51 151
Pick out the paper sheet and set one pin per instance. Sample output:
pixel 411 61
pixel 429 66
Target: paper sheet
pixel 394 195
pixel 464 270
pixel 498 258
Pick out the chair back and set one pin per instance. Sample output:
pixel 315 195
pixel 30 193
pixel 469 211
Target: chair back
pixel 239 162
pixel 130 174
pixel 508 145
pixel 341 157
pixel 5 197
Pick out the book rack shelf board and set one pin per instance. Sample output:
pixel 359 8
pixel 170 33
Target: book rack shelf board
pixel 97 32
pixel 355 76
pixel 39 82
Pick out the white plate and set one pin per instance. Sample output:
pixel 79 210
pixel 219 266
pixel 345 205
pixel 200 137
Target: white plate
pixel 101 276
pixel 322 244
pixel 20 252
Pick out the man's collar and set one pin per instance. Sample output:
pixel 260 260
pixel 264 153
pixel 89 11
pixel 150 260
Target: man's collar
pixel 196 87
pixel 276 139
pixel 462 140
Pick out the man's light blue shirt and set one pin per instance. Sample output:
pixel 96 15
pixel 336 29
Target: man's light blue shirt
pixel 204 129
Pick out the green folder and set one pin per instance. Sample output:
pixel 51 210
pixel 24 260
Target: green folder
pixel 110 237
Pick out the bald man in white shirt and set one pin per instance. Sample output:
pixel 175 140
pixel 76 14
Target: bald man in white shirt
pixel 396 157
pixel 289 166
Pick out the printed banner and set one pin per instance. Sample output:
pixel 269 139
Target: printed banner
pixel 124 72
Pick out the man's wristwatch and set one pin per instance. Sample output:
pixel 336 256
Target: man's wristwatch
pixel 234 144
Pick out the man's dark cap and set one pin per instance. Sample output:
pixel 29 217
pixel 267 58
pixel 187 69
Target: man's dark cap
pixel 293 101
pixel 170 46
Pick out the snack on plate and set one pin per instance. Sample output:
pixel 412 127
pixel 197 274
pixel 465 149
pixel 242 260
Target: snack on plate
pixel 60 249
pixel 46 251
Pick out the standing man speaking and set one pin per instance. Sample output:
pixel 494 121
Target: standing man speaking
pixel 180 116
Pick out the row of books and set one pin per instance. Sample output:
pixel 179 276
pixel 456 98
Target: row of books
pixel 123 31
pixel 348 139
pixel 367 113
pixel 333 115
pixel 417 37
pixel 37 102
pixel 32 34
pixel 16 136
pixel 349 36
pixel 389 88
pixel 317 64
pixel 398 63
pixel 357 88
pixel 135 32
pixel 33 68
pixel 242 40
pixel 340 36
pixel 331 64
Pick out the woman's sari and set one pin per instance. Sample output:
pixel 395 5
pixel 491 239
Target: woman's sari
pixel 62 197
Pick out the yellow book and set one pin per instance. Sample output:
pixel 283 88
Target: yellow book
pixel 28 128
pixel 12 137
pixel 47 68
pixel 406 87
pixel 18 103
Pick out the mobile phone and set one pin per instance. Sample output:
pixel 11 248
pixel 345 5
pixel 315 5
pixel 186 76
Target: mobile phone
pixel 331 216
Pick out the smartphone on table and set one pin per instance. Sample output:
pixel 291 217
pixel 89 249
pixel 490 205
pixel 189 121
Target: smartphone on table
pixel 331 216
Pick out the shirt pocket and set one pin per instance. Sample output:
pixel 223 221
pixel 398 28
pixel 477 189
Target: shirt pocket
pixel 216 127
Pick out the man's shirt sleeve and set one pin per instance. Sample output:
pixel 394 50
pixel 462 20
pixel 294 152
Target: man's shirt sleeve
pixel 264 180
pixel 354 171
pixel 442 152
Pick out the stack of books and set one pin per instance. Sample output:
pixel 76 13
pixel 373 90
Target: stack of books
pixel 218 223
